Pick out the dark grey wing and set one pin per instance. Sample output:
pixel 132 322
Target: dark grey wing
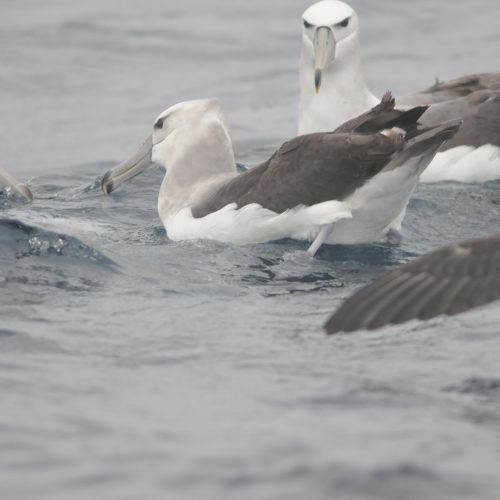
pixel 480 113
pixel 231 191
pixel 384 116
pixel 453 89
pixel 448 281
pixel 307 170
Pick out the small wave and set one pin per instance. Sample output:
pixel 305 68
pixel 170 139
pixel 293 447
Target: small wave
pixel 10 199
pixel 478 386
pixel 295 272
pixel 17 340
pixel 95 185
pixel 29 241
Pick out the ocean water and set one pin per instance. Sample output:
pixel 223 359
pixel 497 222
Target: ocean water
pixel 136 367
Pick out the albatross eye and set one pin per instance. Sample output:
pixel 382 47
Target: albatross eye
pixel 307 25
pixel 159 123
pixel 344 23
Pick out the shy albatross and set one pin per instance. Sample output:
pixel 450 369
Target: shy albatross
pixel 449 281
pixel 333 90
pixel 14 186
pixel 358 179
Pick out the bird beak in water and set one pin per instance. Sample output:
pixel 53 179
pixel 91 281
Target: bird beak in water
pixel 20 189
pixel 135 165
pixel 324 52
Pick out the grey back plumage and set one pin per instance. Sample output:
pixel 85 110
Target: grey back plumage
pixel 475 99
pixel 448 281
pixel 453 89
pixel 384 116
pixel 480 113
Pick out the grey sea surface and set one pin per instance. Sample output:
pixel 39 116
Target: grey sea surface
pixel 134 367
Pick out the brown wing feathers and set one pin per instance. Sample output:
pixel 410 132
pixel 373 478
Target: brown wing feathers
pixel 448 281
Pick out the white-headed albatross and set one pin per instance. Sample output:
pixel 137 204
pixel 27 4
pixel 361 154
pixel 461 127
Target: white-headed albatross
pixel 14 186
pixel 359 180
pixel 333 90
pixel 449 281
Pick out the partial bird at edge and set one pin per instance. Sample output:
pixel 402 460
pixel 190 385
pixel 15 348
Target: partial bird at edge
pixel 448 281
pixel 9 182
pixel 330 55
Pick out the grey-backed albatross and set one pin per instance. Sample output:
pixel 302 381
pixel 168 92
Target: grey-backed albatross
pixel 448 281
pixel 356 181
pixel 333 90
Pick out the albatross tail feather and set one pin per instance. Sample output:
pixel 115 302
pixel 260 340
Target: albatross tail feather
pixel 425 145
pixel 384 116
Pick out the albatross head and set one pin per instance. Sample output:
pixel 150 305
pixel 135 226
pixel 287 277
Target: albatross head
pixel 187 128
pixel 330 33
pixel 332 87
pixel 189 137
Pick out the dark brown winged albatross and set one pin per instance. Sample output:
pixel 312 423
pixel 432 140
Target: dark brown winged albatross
pixel 333 90
pixel 356 181
pixel 448 281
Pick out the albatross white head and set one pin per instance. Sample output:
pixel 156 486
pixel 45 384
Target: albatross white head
pixel 189 139
pixel 193 136
pixel 332 88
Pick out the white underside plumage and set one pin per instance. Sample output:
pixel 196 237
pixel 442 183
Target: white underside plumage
pixel 378 207
pixel 465 164
pixel 255 224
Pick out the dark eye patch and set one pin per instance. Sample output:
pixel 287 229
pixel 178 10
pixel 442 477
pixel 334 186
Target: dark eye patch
pixel 344 23
pixel 307 25
pixel 159 123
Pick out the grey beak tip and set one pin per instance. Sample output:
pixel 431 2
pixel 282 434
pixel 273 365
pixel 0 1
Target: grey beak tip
pixel 28 194
pixel 107 185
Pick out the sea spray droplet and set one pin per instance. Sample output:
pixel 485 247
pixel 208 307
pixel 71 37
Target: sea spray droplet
pixel 33 241
pixel 44 247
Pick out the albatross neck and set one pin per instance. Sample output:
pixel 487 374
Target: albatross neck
pixel 199 159
pixel 343 94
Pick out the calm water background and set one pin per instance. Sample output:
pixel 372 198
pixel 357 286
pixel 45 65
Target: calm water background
pixel 134 367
